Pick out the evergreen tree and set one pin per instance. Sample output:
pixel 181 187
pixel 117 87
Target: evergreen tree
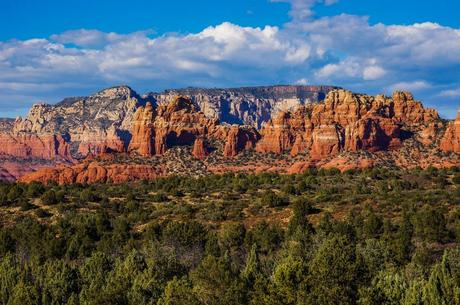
pixel 442 287
pixel 334 272
pixel 215 282
pixel 252 269
pixel 178 292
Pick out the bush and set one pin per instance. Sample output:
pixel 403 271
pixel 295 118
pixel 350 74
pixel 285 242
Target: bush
pixel 35 190
pixel 430 223
pixel 231 235
pixel 289 189
pixel 3 196
pixel 273 200
pixel 60 196
pixel 88 195
pixel 49 198
pixel 42 213
pixel 26 205
pixel 15 193
pixel 456 179
pixel 160 197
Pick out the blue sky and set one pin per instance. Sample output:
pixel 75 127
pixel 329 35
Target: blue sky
pixel 52 49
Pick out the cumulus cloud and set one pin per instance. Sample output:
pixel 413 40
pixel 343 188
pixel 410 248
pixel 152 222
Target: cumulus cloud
pixel 351 68
pixel 373 72
pixel 342 50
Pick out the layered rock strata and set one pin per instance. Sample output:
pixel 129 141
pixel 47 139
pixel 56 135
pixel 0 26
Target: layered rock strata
pixel 347 122
pixel 451 139
pixel 180 123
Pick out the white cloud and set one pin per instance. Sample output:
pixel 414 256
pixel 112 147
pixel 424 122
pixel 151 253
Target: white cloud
pixel 410 86
pixel 351 68
pixel 302 81
pixel 86 38
pixel 302 9
pixel 373 72
pixel 450 93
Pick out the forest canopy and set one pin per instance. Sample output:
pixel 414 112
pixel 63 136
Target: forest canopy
pixel 374 236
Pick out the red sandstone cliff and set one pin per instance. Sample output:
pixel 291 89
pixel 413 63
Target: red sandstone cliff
pixel 451 139
pixel 200 151
pixel 346 131
pixel 180 123
pixel 94 172
pixel 346 122
pixel 46 146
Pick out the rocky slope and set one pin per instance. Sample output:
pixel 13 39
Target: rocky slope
pixel 249 105
pixel 82 126
pixel 451 139
pixel 94 172
pixel 349 122
pixel 73 128
pixel 172 134
pixel 179 123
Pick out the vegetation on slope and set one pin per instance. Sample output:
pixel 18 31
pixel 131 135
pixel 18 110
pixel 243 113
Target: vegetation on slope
pixel 362 237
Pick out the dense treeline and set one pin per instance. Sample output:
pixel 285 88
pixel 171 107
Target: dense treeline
pixel 361 237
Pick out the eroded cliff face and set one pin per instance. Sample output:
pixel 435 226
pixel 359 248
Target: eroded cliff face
pixel 346 130
pixel 105 122
pixel 94 172
pixel 348 122
pixel 12 168
pixel 45 146
pixel 73 128
pixel 451 139
pixel 200 149
pixel 180 123
pixel 249 106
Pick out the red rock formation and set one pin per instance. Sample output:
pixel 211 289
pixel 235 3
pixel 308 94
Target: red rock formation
pixel 328 133
pixel 52 146
pixel 373 134
pixel 94 172
pixel 341 163
pixel 279 134
pixel 32 145
pixel 143 133
pixel 406 110
pixel 180 123
pixel 199 150
pixel 345 122
pixel 6 176
pixel 239 139
pixel 430 134
pixel 96 142
pixel 451 138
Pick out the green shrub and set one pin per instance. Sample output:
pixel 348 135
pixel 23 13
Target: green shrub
pixel 26 205
pixel 42 213
pixel 271 199
pixel 87 195
pixel 456 179
pixel 35 190
pixel 49 198
pixel 430 223
pixel 160 197
pixel 15 192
